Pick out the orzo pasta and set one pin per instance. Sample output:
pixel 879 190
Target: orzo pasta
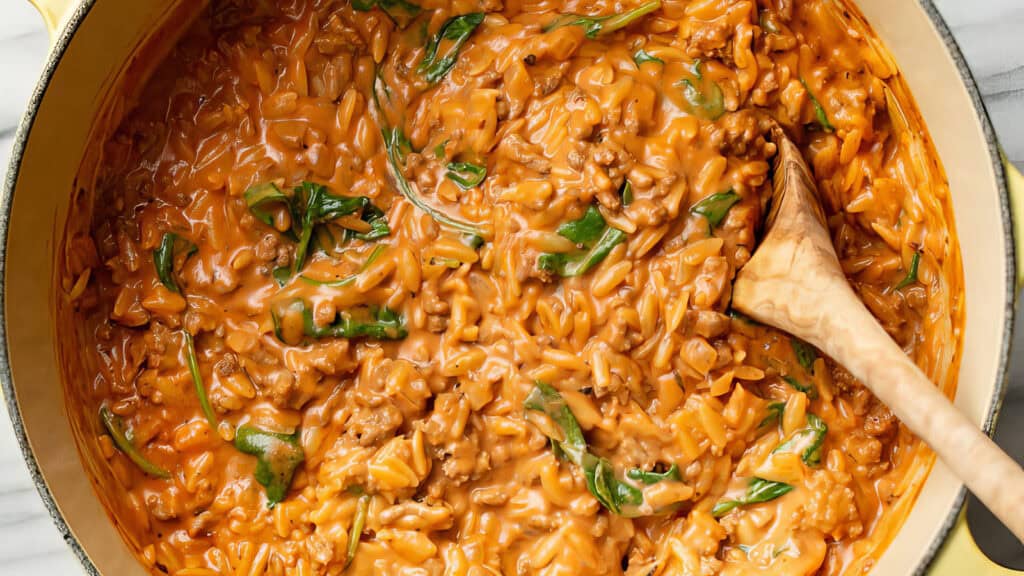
pixel 381 286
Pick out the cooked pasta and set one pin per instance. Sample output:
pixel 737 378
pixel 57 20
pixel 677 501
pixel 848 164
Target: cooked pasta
pixel 375 286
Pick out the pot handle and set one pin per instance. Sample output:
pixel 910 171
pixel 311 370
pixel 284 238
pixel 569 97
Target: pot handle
pixel 1015 184
pixel 54 13
pixel 960 554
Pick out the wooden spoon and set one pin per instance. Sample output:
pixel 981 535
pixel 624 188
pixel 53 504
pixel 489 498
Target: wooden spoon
pixel 794 282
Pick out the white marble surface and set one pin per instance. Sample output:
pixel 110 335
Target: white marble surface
pixel 989 32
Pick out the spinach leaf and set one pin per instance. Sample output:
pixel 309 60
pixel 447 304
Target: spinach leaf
pixel 704 97
pixel 281 274
pixel 310 205
pixel 594 26
pixel 439 149
pixel 715 207
pixel 654 477
pixel 584 230
pixel 474 241
pixel 259 197
pixel 911 276
pixel 577 264
pixel 814 437
pixel 163 258
pixel 378 222
pixel 197 380
pixel 819 111
pixel 400 11
pixel 775 412
pixel 805 353
pixel 466 174
pixel 641 56
pixel 362 507
pixel 122 439
pixel 348 280
pixel 610 492
pixel 458 30
pixel 372 322
pixel 626 193
pixel 759 490
pixel 277 457
pixel 397 146
pixel 592 232
pixel 808 389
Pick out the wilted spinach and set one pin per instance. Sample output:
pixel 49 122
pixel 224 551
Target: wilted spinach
pixel 813 435
pixel 197 380
pixel 277 457
pixel 590 231
pixel 911 277
pixel 819 111
pixel 372 322
pixel 601 481
pixel 594 26
pixel 163 258
pixel 759 490
pixel 466 175
pixel 397 146
pixel 457 30
pixel 715 207
pixel 122 439
pixel 400 11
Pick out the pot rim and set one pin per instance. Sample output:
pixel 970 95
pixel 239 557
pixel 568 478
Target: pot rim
pixel 78 16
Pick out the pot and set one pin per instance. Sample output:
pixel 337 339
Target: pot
pixel 96 45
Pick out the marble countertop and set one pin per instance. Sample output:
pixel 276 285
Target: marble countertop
pixel 988 32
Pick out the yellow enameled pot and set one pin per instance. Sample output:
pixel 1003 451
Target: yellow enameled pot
pixel 96 47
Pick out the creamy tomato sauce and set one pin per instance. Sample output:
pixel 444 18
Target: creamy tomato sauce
pixel 443 288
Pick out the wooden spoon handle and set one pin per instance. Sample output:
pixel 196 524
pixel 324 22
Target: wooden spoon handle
pixel 851 335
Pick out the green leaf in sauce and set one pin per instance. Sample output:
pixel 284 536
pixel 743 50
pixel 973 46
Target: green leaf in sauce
pixel 277 457
pixel 586 229
pixel 197 380
pixel 613 494
pixel 807 389
pixel 378 222
pixel 579 263
pixel 641 56
pixel 819 111
pixel 466 175
pixel 645 477
pixel 401 12
pixel 397 146
pixel 348 280
pixel 310 205
pixel 703 97
pixel 775 412
pixel 457 31
pixel 358 522
pixel 805 353
pixel 715 207
pixel 810 439
pixel 122 439
pixel 259 197
pixel 911 276
pixel 759 490
pixel 626 193
pixel 590 231
pixel 594 26
pixel 163 258
pixel 371 322
pixel 439 152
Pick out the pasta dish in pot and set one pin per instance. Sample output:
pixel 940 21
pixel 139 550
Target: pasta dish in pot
pixel 443 288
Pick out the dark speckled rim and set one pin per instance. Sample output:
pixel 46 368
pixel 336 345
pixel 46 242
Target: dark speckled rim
pixel 60 45
pixel 82 11
pixel 996 403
